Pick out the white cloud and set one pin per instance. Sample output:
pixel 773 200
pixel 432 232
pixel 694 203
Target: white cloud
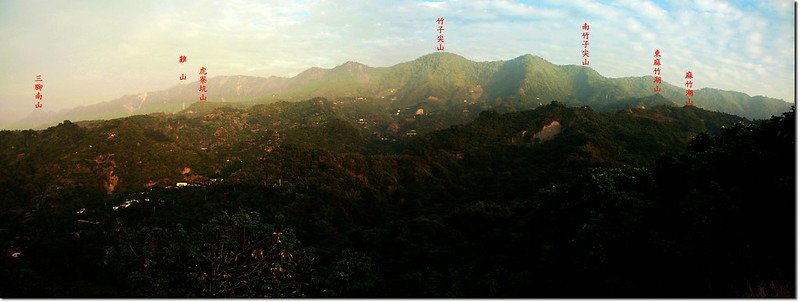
pixel 94 53
pixel 434 4
pixel 518 9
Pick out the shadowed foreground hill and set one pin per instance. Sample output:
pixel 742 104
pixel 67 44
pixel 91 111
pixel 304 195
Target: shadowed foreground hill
pixel 202 143
pixel 305 200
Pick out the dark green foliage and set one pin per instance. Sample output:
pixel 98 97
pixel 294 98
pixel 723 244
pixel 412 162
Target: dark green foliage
pixel 657 202
pixel 351 274
pixel 235 255
pixel 736 193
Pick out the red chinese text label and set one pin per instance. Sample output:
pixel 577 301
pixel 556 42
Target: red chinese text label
pixel 182 59
pixel 657 70
pixel 203 88
pixel 689 88
pixel 37 86
pixel 585 52
pixel 440 38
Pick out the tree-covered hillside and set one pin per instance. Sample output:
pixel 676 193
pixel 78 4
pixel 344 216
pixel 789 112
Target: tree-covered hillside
pixel 340 198
pixel 445 79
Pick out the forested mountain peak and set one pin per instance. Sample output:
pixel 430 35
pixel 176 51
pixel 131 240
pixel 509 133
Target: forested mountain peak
pixel 443 76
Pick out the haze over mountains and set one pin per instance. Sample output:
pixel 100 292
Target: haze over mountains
pixel 442 77
pixel 469 184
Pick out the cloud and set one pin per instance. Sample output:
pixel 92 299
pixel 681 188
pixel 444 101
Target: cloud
pixel 434 4
pixel 737 48
pixel 92 52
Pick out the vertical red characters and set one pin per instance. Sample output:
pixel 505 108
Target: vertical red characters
pixel 203 89
pixel 585 35
pixel 689 89
pixel 181 60
pixel 657 71
pixel 37 86
pixel 440 38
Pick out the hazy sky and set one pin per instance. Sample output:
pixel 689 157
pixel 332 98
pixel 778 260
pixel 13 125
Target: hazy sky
pixel 94 51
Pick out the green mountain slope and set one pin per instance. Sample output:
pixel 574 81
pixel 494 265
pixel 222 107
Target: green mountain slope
pixel 627 136
pixel 443 78
pixel 335 198
pixel 208 141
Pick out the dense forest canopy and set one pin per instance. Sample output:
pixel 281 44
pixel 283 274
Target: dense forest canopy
pixel 346 198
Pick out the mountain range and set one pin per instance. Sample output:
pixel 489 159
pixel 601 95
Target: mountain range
pixel 444 78
pixel 349 198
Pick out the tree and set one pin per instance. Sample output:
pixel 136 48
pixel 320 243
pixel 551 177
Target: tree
pixel 234 255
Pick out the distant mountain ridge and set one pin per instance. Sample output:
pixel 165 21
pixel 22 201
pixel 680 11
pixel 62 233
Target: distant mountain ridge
pixel 215 141
pixel 443 77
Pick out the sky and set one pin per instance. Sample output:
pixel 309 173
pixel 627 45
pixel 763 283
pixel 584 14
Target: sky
pixel 93 51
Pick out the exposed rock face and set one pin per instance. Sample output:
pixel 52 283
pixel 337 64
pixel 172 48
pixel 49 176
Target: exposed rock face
pixel 106 166
pixel 475 92
pixel 393 127
pixel 548 131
